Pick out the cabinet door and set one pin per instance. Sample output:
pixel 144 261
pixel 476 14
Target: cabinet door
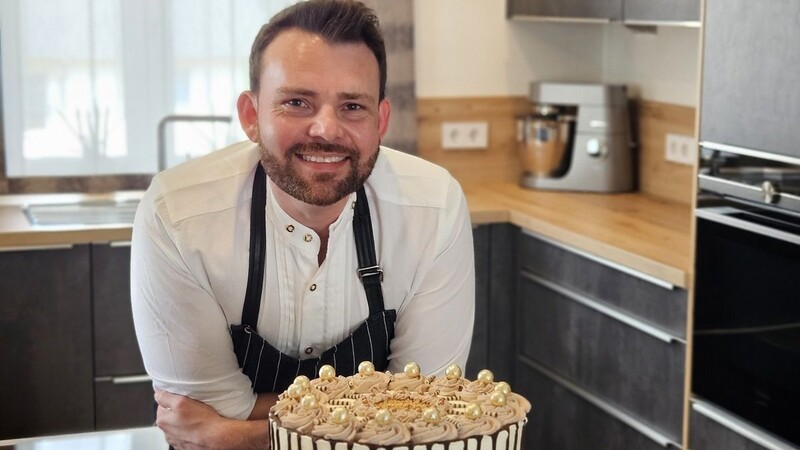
pixel 124 404
pixel 603 355
pixel 46 382
pixel 566 9
pixel 562 419
pixel 706 433
pixel 662 11
pixel 750 93
pixel 116 348
pixel 479 351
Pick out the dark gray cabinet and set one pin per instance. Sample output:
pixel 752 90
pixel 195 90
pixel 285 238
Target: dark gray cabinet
pixel 750 94
pixel 604 10
pixel 712 428
pixel 45 342
pixel 656 12
pixel 124 394
pixel 609 342
pixel 495 279
pixel 664 12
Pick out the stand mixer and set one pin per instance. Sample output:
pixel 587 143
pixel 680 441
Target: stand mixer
pixel 577 138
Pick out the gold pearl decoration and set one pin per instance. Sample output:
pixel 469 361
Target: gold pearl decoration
pixel 411 370
pixel 473 411
pixel 383 416
pixel 502 387
pixel 295 391
pixel 453 372
pixel 366 368
pixel 339 415
pixel 302 381
pixel 327 372
pixel 498 399
pixel 309 401
pixel 485 376
pixel 432 416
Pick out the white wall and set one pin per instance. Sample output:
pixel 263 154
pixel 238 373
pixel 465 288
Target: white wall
pixel 468 48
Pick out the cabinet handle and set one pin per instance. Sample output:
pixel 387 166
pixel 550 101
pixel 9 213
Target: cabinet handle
pixel 119 244
pixel 554 19
pixel 669 23
pixel 618 267
pixel 587 396
pixel 129 379
pixel 739 426
pixel 27 248
pixel 749 152
pixel 605 310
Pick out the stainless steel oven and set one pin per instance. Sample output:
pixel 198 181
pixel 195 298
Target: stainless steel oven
pixel 746 353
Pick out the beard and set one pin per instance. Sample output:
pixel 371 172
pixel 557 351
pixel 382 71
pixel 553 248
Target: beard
pixel 322 189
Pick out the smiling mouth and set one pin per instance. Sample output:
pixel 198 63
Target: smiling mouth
pixel 322 159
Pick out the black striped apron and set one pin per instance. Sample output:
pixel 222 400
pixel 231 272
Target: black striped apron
pixel 273 371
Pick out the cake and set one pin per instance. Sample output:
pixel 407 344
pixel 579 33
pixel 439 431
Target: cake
pixel 380 410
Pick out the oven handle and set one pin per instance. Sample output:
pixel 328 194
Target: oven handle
pixel 721 215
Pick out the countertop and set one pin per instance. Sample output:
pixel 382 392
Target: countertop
pixel 641 232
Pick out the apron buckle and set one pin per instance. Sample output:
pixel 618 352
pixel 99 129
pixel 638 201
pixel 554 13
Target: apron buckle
pixel 369 272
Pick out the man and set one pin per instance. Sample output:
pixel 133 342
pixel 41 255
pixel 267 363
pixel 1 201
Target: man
pixel 309 245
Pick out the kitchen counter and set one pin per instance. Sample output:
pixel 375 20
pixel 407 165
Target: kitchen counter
pixel 148 438
pixel 641 232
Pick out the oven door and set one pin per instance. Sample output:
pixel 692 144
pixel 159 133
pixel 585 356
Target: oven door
pixel 746 352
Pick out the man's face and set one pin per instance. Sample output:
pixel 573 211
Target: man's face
pixel 319 121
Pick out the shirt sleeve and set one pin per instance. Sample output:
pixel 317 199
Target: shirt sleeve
pixel 434 328
pixel 182 331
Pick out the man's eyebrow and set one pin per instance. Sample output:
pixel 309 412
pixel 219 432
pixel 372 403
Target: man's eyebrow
pixel 296 91
pixel 363 96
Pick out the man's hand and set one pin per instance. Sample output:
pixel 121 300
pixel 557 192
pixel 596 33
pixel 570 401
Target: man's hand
pixel 192 425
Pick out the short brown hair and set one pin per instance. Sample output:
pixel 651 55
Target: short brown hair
pixel 337 21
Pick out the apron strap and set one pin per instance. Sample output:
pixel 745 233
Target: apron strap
pixel 369 272
pixel 258 250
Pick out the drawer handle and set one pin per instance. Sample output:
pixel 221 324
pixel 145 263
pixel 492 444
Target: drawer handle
pixel 603 309
pixel 740 427
pixel 654 435
pixel 26 248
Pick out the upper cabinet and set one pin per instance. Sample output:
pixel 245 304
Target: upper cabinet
pixel 632 12
pixel 566 10
pixel 662 12
pixel 751 58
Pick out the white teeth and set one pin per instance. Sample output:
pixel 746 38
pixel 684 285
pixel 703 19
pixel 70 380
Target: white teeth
pixel 322 159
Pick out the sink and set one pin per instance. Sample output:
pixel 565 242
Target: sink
pixel 91 212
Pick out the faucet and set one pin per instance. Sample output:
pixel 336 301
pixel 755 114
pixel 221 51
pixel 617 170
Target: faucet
pixel 162 124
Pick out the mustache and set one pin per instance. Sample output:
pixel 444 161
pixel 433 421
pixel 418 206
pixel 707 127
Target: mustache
pixel 321 147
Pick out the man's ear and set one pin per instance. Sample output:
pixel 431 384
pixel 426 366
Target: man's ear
pixel 384 111
pixel 248 115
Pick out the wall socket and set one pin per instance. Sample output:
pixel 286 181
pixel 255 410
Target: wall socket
pixel 465 135
pixel 681 149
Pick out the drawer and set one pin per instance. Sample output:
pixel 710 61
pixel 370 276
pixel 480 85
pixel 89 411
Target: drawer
pixel 124 402
pixel 617 286
pixel 640 373
pixel 563 419
pixel 712 428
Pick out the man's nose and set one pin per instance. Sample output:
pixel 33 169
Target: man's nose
pixel 326 124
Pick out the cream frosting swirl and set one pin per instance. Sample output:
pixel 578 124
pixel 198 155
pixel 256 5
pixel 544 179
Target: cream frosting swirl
pixel 300 419
pixel 392 433
pixel 476 427
pixel 345 431
pixel 423 432
pixel 402 382
pixel 334 388
pixel 448 386
pixel 362 384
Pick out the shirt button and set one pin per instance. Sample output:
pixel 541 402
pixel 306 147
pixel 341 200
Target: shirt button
pixel 289 228
pixel 309 350
pixel 313 287
pixel 307 238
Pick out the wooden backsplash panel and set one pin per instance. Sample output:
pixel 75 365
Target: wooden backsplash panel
pixel 657 176
pixel 500 162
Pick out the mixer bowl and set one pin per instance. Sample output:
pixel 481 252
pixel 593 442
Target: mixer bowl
pixel 545 146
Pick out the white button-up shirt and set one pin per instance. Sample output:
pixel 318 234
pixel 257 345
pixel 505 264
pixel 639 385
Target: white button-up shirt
pixel 189 265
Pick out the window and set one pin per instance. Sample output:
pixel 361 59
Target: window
pixel 85 83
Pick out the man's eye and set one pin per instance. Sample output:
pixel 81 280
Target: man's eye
pixel 295 102
pixel 353 107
